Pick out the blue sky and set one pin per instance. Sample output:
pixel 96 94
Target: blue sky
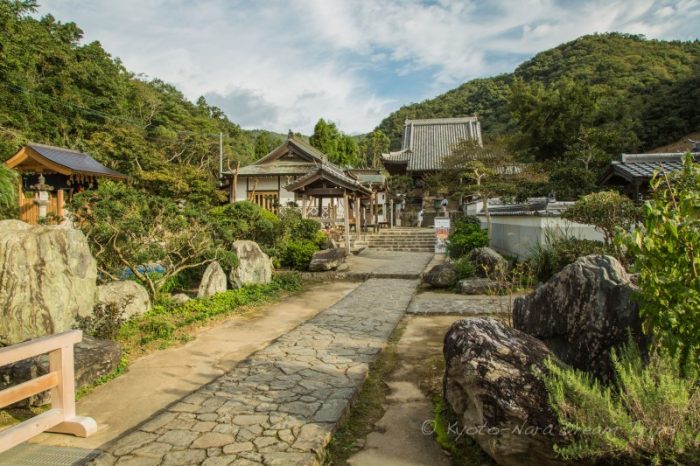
pixel 281 65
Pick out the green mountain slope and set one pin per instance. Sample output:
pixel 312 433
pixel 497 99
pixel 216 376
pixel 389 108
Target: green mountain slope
pixel 649 88
pixel 57 91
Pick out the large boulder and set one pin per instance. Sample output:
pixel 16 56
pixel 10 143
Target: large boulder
pixel 254 266
pixel 583 312
pixel 330 259
pixel 492 384
pixel 47 279
pixel 128 296
pixel 488 263
pixel 213 281
pixel 441 276
pixel 93 359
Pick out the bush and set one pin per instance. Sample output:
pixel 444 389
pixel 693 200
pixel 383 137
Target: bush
pixel 103 323
pixel 652 416
pixel 556 253
pixel 667 258
pixel 608 211
pixel 298 254
pixel 466 235
pixel 465 268
pixel 245 220
pixel 306 230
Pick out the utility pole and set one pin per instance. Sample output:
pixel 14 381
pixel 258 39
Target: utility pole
pixel 221 154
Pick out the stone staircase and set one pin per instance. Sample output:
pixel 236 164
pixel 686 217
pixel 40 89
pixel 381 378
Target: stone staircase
pixel 403 239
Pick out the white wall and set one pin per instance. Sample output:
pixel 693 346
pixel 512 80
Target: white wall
pixel 517 235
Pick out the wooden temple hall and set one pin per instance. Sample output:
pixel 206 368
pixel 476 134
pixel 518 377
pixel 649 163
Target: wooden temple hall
pixel 50 176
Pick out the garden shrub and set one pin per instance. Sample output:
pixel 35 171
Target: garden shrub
pixel 298 254
pixel 465 268
pixel 667 258
pixel 555 253
pixel 244 220
pixel 306 229
pixel 651 415
pixel 466 235
pixel 104 322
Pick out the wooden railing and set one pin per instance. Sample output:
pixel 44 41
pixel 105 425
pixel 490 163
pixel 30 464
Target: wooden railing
pixel 60 380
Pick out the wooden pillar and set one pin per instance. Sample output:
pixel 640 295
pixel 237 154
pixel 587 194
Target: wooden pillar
pixel 391 213
pixel 303 206
pixel 59 202
pixel 376 211
pixel 346 217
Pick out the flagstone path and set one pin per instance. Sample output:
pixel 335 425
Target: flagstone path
pixel 281 405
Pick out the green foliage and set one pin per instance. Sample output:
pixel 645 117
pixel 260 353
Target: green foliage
pixel 298 253
pixel 104 322
pixel 617 92
pixel 8 192
pixel 306 229
pixel 372 147
pixel 130 230
pixel 568 183
pixel 56 89
pixel 608 211
pixel 244 220
pixel 163 321
pixel 667 258
pixel 466 235
pixel 264 144
pixel 340 148
pixel 465 268
pixel 556 252
pixel 652 415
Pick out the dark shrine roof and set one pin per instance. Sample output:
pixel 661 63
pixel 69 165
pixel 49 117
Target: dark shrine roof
pixel 75 161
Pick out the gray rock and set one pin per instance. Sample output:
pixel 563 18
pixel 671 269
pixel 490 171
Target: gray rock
pixel 344 267
pixel 330 259
pixel 478 286
pixel 488 263
pixel 130 298
pixel 93 359
pixel 254 266
pixel 47 278
pixel 180 298
pixel 441 276
pixel 583 312
pixel 492 386
pixel 213 281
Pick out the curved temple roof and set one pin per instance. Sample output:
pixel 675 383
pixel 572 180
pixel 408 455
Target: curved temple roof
pixel 64 161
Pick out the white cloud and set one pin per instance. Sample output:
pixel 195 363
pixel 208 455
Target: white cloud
pixel 282 65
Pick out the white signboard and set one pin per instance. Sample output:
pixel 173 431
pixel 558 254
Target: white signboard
pixel 442 233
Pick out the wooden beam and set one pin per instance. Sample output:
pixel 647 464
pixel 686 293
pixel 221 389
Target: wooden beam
pixel 59 203
pixel 29 388
pixel 28 429
pixel 325 192
pixel 42 345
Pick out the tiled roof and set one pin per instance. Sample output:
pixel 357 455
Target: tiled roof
pixel 278 167
pixel 330 172
pixel 426 143
pixel 75 161
pixel 641 167
pixel 537 206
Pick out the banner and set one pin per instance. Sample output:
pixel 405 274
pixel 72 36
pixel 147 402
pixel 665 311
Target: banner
pixel 442 233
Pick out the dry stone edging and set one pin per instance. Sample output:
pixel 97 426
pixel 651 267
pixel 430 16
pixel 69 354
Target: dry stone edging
pixel 282 404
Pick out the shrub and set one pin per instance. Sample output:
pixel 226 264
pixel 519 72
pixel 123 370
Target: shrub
pixel 667 258
pixel 244 220
pixel 652 416
pixel 465 268
pixel 466 235
pixel 306 230
pixel 298 254
pixel 104 323
pixel 608 211
pixel 555 253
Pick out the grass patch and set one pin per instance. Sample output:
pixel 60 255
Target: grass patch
pixel 121 368
pixel 169 324
pixel 367 409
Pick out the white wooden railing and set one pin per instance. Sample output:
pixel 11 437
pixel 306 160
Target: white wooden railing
pixel 60 380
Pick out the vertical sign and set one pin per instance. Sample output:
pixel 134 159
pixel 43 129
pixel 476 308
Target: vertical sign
pixel 442 233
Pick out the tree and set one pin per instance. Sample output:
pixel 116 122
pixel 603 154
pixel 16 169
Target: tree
pixel 263 144
pixel 489 171
pixel 152 237
pixel 372 148
pixel 8 192
pixel 608 211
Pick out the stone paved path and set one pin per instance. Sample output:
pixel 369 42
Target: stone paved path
pixel 443 303
pixel 279 406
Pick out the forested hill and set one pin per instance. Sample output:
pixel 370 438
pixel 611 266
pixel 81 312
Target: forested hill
pixel 626 92
pixel 55 90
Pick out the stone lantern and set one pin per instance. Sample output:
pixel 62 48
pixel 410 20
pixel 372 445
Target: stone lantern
pixel 42 198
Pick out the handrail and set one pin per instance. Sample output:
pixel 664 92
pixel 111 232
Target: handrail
pixel 60 380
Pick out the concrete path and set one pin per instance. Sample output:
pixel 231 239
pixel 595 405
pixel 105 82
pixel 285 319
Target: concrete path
pixel 281 405
pixel 403 435
pixel 157 380
pixel 445 303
